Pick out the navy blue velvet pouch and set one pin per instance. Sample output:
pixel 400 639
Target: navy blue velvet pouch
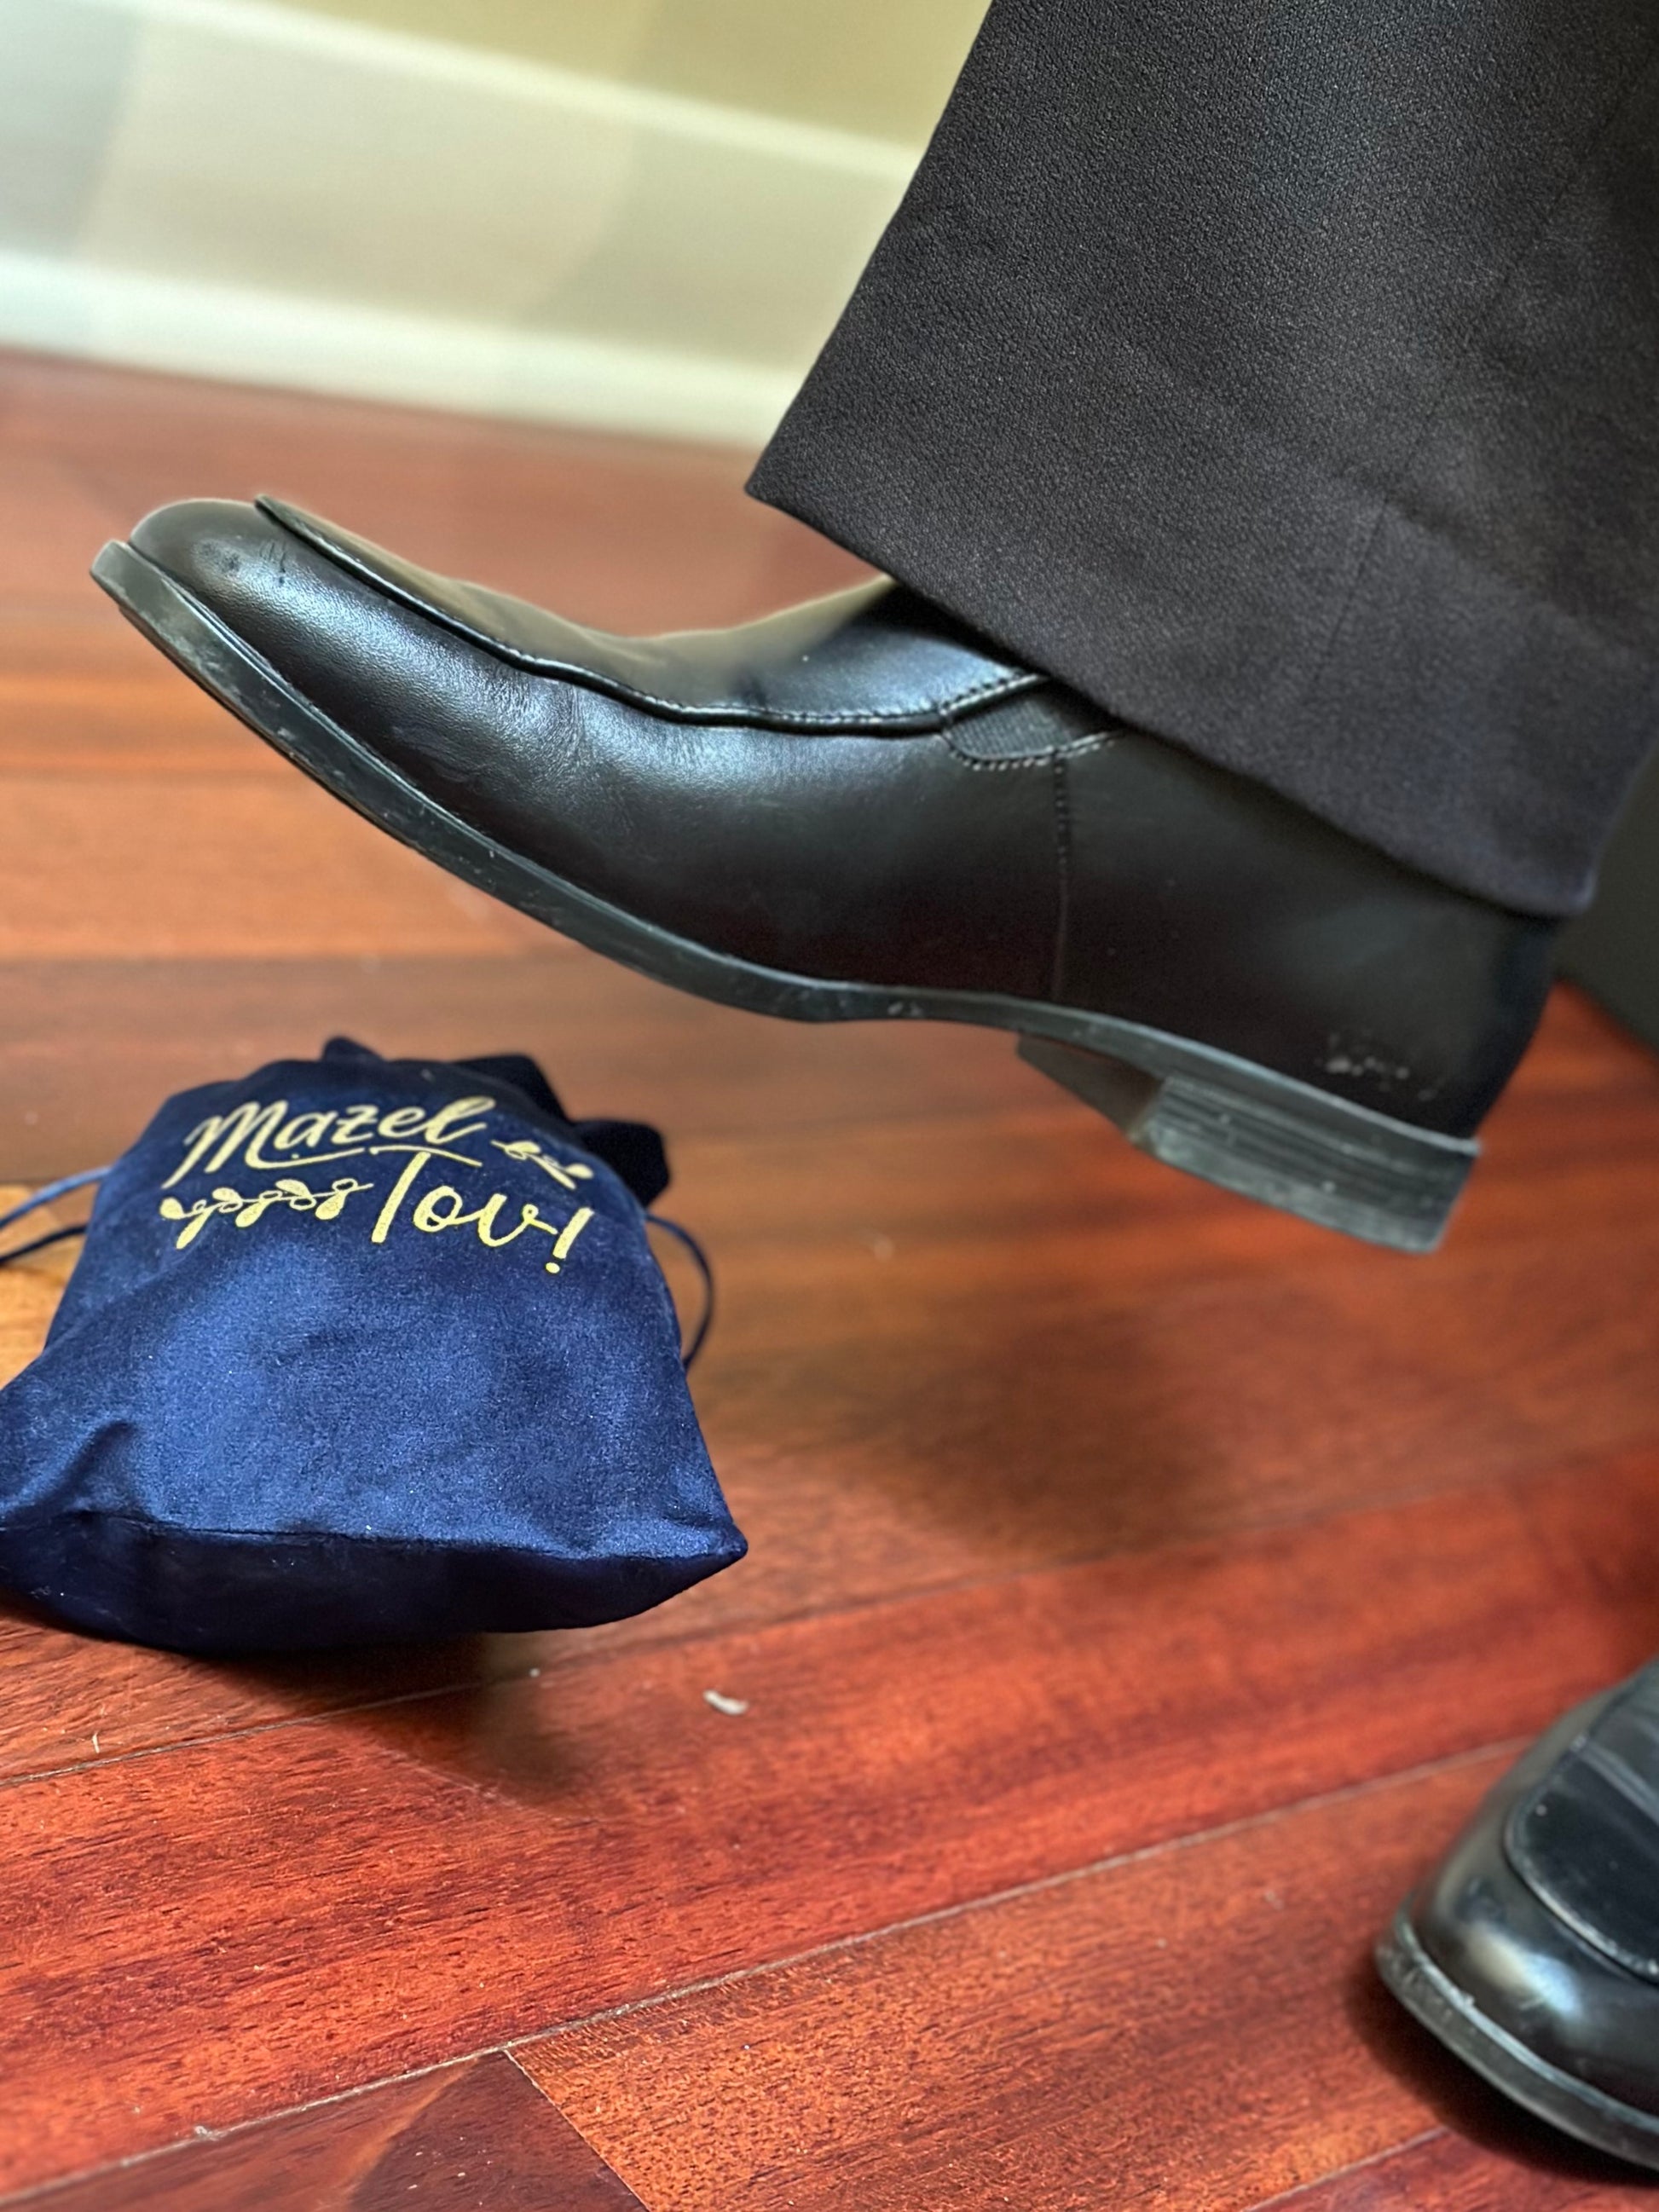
pixel 357 1351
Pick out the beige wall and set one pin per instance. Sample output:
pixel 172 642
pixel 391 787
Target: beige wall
pixel 639 213
pixel 883 67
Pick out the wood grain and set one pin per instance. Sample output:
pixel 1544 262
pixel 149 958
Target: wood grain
pixel 1498 2160
pixel 883 1518
pixel 1092 1510
pixel 95 1045
pixel 136 723
pixel 1198 2028
pixel 473 2138
pixel 344 1902
pixel 890 1290
pixel 255 867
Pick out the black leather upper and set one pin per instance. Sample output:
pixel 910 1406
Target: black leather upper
pixel 874 657
pixel 859 790
pixel 1545 1913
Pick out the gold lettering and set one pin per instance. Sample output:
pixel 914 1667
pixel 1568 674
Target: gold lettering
pixel 289 1191
pixel 567 1235
pixel 402 1122
pixel 344 1186
pixel 256 1155
pixel 527 1148
pixel 266 1137
pixel 432 1152
pixel 223 1134
pixel 250 1127
pixel 257 1208
pixel 438 1130
pixel 435 1216
pixel 382 1228
pixel 197 1217
pixel 356 1125
pixel 303 1129
pixel 487 1217
pixel 432 1216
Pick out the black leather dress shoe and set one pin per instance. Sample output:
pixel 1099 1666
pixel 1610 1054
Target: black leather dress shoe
pixel 1534 1950
pixel 860 810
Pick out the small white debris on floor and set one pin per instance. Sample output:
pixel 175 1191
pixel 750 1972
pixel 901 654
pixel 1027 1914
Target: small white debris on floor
pixel 733 1707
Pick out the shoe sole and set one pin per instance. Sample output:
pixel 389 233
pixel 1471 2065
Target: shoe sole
pixel 1226 1119
pixel 1431 1996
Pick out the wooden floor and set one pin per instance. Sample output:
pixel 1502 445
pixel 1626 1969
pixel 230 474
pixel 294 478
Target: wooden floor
pixel 1143 1586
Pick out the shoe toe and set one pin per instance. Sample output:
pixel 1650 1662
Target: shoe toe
pixel 1534 2000
pixel 244 568
pixel 335 638
pixel 209 545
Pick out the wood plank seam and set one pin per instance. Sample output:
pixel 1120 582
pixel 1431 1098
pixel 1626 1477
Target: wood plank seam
pixel 40 2191
pixel 1373 1785
pixel 252 1728
pixel 847 1608
pixel 1170 1630
pixel 1113 1862
pixel 523 2074
pixel 1304 2189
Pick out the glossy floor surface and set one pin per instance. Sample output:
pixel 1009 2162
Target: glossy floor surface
pixel 1143 1586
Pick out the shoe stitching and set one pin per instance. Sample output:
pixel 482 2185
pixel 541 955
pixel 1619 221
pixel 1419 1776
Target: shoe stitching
pixel 975 696
pixel 932 720
pixel 924 720
pixel 1070 750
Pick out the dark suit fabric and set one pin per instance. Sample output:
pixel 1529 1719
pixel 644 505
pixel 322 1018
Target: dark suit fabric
pixel 1285 378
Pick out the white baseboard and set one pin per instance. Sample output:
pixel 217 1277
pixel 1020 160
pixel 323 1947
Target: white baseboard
pixel 246 337
pixel 280 197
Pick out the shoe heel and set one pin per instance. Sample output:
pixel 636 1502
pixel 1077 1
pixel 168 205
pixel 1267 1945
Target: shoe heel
pixel 1272 1138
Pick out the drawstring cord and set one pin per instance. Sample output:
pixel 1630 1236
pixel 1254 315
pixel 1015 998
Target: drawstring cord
pixel 45 1196
pixel 684 1235
pixel 50 1192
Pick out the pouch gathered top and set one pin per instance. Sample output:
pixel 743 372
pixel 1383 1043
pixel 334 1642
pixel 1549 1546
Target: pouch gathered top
pixel 361 1350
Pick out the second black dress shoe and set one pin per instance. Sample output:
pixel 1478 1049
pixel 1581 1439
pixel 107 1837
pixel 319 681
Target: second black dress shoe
pixel 859 810
pixel 1534 1950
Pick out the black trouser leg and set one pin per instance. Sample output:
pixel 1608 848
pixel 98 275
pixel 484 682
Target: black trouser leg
pixel 1285 377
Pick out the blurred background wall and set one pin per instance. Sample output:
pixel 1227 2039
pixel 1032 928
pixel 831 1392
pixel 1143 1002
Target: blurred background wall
pixel 643 214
